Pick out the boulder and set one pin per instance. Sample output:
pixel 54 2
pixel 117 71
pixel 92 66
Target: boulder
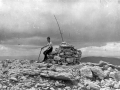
pixel 112 74
pixel 118 68
pixel 106 73
pixel 102 63
pixel 97 71
pixel 58 75
pixel 105 67
pixel 86 71
pixel 115 75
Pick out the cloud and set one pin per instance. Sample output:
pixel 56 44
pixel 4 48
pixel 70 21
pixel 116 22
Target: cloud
pixel 110 49
pixel 80 21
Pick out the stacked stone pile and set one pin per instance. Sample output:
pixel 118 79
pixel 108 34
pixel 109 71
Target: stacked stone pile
pixel 65 54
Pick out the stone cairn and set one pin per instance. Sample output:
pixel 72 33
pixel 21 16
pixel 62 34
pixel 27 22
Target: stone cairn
pixel 66 54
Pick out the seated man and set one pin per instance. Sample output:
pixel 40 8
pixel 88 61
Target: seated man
pixel 49 49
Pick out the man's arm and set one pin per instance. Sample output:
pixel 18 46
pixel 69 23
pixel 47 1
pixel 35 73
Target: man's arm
pixel 44 47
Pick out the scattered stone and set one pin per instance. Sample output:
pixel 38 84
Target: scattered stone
pixel 52 88
pixel 67 88
pixel 45 88
pixel 57 84
pixel 4 87
pixel 23 78
pixel 106 88
pixel 31 88
pixel 0 86
pixel 59 89
pixel 13 79
pixel 28 84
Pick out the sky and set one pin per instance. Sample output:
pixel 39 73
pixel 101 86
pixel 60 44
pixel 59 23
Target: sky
pixel 82 22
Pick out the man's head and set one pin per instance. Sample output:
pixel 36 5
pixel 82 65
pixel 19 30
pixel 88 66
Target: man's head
pixel 48 39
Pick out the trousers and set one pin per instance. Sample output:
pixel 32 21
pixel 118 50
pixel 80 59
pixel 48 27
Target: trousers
pixel 46 52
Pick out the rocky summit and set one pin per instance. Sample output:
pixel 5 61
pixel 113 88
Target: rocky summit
pixel 30 75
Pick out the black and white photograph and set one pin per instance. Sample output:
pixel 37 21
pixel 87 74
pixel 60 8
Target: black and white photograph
pixel 59 44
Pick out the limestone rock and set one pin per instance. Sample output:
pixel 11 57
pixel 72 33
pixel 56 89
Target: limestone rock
pixel 115 75
pixel 41 85
pixel 67 88
pixel 117 86
pixel 70 60
pixel 86 71
pixel 109 82
pixel 13 79
pixel 62 76
pixel 0 86
pixel 4 87
pixel 31 88
pixel 106 73
pixel 58 84
pixel 102 63
pixel 57 58
pixel 112 74
pixel 97 71
pixel 52 88
pixel 30 72
pixel 92 86
pixel 59 89
pixel 106 88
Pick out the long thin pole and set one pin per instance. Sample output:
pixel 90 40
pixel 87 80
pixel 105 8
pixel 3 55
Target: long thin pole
pixel 59 28
pixel 39 55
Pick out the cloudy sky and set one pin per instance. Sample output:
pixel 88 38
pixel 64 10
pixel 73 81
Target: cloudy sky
pixel 83 22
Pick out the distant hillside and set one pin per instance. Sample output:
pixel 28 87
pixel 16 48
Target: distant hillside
pixel 112 60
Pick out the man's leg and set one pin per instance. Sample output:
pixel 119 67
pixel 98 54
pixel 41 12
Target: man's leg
pixel 49 50
pixel 45 55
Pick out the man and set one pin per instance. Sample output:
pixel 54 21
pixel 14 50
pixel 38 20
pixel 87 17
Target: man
pixel 49 49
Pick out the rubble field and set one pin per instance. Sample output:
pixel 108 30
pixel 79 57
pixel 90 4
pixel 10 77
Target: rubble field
pixel 30 75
